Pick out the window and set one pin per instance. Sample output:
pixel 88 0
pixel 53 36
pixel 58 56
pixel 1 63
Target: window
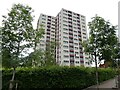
pixel 84 37
pixel 75 35
pixel 64 10
pixel 52 38
pixel 65 29
pixel 82 16
pixel 83 29
pixel 65 33
pixel 64 21
pixel 76 43
pixel 74 13
pixel 43 15
pixel 66 56
pixel 64 13
pixel 64 25
pixel 43 18
pixel 65 46
pixel 83 26
pixel 74 17
pixel 84 33
pixel 74 23
pixel 74 27
pixel 83 19
pixel 75 31
pixel 74 20
pixel 83 23
pixel 76 47
pixel 43 22
pixel 52 35
pixel 65 37
pixel 75 39
pixel 76 52
pixel 65 41
pixel 77 62
pixel 66 51
pixel 65 17
pixel 66 61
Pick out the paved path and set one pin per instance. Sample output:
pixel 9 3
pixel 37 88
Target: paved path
pixel 106 85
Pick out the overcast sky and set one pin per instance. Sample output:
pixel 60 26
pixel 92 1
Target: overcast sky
pixel 107 9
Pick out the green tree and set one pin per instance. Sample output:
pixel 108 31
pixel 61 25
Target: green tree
pixel 37 56
pixel 42 58
pixel 50 54
pixel 36 37
pixel 102 39
pixel 16 29
pixel 102 42
pixel 16 36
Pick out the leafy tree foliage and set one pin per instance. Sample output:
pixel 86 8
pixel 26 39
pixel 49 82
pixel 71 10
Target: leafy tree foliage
pixel 102 39
pixel 42 58
pixel 50 54
pixel 16 29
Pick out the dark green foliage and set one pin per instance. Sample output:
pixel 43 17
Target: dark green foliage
pixel 56 77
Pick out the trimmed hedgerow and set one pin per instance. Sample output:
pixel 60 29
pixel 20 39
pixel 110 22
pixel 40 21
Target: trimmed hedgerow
pixel 56 77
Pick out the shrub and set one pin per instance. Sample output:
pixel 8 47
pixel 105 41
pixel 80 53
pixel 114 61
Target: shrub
pixel 56 77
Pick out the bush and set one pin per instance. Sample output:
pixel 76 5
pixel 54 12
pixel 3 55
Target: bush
pixel 56 77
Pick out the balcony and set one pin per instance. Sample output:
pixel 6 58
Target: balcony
pixel 48 29
pixel 81 61
pixel 49 23
pixel 71 36
pixel 47 40
pixel 79 28
pixel 71 50
pixel 81 56
pixel 70 22
pixel 78 24
pixel 70 25
pixel 48 33
pixel 70 30
pixel 81 52
pixel 78 17
pixel 72 60
pixel 49 19
pixel 69 18
pixel 70 33
pixel 48 36
pixel 49 16
pixel 78 21
pixel 79 35
pixel 48 26
pixel 71 55
pixel 71 41
pixel 70 12
pixel 71 46
pixel 79 31
pixel 80 39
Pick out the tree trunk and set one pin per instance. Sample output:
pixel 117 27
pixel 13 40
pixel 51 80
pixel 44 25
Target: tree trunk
pixel 118 81
pixel 118 76
pixel 12 80
pixel 96 71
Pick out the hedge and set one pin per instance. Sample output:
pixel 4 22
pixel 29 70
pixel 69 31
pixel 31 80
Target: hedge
pixel 55 77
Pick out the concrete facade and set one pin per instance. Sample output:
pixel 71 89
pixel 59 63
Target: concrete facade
pixel 68 30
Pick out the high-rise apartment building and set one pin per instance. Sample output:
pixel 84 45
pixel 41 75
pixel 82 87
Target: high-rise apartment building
pixel 49 23
pixel 68 30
